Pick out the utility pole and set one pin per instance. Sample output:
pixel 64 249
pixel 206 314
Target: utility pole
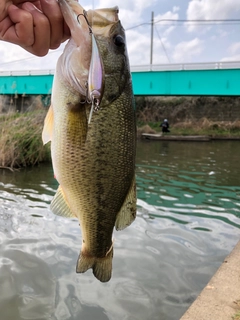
pixel 151 51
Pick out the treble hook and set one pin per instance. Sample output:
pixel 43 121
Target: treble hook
pixel 86 100
pixel 84 14
pixel 95 107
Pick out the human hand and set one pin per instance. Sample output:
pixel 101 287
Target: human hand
pixel 35 25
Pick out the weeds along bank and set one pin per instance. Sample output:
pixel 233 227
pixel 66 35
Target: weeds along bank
pixel 21 124
pixel 20 139
pixel 20 132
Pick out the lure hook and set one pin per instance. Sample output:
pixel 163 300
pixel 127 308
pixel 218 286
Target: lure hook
pixel 95 107
pixel 86 100
pixel 84 14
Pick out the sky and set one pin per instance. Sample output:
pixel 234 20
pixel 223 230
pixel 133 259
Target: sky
pixel 173 41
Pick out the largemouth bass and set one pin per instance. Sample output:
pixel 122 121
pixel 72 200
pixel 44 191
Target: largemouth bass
pixel 93 153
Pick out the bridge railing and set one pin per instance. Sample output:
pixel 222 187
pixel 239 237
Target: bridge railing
pixel 187 66
pixel 142 68
pixel 27 72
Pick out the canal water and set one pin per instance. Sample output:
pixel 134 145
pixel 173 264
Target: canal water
pixel 188 221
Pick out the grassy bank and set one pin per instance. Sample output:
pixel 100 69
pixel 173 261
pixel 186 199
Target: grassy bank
pixel 21 143
pixel 20 139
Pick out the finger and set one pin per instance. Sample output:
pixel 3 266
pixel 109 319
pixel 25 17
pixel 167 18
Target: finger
pixel 58 27
pixel 41 29
pixel 17 27
pixel 66 32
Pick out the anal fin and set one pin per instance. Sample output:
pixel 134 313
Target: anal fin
pixel 127 214
pixel 59 205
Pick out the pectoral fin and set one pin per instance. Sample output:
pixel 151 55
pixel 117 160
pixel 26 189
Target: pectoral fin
pixel 48 126
pixel 127 214
pixel 59 205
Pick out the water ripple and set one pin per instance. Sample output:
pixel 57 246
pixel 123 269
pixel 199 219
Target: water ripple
pixel 188 220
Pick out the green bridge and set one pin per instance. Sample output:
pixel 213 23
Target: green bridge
pixel 214 79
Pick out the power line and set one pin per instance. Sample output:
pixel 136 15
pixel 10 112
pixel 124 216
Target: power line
pixel 234 21
pixel 139 25
pixel 164 49
pixel 190 21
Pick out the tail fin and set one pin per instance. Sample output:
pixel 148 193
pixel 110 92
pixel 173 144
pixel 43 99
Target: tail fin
pixel 102 267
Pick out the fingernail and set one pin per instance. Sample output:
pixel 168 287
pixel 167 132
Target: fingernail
pixel 30 7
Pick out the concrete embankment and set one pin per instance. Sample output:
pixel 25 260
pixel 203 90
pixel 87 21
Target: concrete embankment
pixel 220 299
pixel 187 109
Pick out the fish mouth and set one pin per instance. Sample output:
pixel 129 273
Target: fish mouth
pixel 97 19
pixel 82 65
pixel 74 14
pixel 101 18
pixel 74 63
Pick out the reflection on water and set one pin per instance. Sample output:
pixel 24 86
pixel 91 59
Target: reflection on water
pixel 188 221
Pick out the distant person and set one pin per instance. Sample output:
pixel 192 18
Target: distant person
pixel 35 25
pixel 165 126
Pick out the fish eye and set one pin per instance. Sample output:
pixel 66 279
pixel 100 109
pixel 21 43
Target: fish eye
pixel 119 40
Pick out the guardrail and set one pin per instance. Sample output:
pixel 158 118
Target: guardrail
pixel 187 66
pixel 142 68
pixel 27 73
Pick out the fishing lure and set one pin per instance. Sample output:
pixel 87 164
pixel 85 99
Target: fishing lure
pixel 95 83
